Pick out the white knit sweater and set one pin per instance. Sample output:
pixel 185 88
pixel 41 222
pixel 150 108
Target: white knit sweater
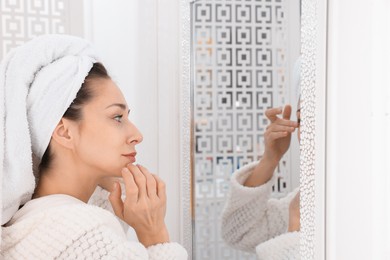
pixel 63 227
pixel 254 222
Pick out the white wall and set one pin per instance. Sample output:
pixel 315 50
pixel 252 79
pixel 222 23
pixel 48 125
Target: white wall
pixel 357 224
pixel 128 48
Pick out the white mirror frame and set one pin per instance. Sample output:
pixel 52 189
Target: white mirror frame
pixel 185 127
pixel 313 130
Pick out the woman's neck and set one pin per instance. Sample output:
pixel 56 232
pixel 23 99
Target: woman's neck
pixel 71 182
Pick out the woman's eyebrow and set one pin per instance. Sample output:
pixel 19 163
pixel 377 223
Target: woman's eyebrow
pixel 122 106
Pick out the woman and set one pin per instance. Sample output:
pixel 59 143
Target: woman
pixel 65 115
pixel 251 220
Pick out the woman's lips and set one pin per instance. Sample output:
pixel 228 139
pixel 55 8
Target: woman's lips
pixel 130 156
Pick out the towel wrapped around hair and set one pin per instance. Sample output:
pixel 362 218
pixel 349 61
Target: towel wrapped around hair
pixel 38 82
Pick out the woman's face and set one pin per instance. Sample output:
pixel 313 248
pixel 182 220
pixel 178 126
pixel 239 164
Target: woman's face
pixel 106 139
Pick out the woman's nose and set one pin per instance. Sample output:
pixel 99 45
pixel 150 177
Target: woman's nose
pixel 135 135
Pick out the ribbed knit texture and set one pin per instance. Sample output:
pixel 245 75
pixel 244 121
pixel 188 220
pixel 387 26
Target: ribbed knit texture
pixel 283 247
pixel 251 217
pixel 77 232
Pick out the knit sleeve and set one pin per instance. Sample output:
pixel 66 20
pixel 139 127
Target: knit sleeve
pixel 167 251
pixel 283 247
pixel 100 237
pixel 100 244
pixel 250 216
pixel 78 231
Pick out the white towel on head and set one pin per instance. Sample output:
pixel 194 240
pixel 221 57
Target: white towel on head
pixel 38 82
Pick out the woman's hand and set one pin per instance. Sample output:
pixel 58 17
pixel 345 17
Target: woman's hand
pixel 145 204
pixel 294 214
pixel 277 139
pixel 277 136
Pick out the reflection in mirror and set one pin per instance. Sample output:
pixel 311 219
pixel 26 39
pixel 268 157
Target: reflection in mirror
pixel 244 63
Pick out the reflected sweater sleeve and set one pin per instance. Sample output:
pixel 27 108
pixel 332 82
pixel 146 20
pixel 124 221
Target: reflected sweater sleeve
pixel 250 216
pixel 283 247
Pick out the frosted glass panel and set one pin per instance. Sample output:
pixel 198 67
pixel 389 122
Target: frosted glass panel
pixel 22 20
pixel 242 65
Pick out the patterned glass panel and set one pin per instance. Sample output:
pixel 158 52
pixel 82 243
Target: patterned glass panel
pixel 21 20
pixel 240 66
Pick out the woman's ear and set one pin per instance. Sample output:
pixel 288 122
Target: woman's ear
pixel 63 134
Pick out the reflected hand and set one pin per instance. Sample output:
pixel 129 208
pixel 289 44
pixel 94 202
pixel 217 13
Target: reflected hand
pixel 277 136
pixel 294 214
pixel 145 205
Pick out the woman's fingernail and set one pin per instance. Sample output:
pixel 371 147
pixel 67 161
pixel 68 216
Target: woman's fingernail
pixel 115 186
pixel 125 170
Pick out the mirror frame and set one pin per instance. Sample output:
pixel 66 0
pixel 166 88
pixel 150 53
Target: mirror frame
pixel 313 129
pixel 185 128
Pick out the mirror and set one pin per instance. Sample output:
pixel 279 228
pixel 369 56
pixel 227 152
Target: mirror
pixel 244 61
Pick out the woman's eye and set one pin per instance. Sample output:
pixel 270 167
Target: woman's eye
pixel 118 118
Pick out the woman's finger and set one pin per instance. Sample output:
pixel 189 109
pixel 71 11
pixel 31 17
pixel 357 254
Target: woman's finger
pixel 280 128
pixel 286 122
pixel 139 179
pixel 272 113
pixel 116 200
pixel 131 187
pixel 161 192
pixel 287 112
pixel 151 183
